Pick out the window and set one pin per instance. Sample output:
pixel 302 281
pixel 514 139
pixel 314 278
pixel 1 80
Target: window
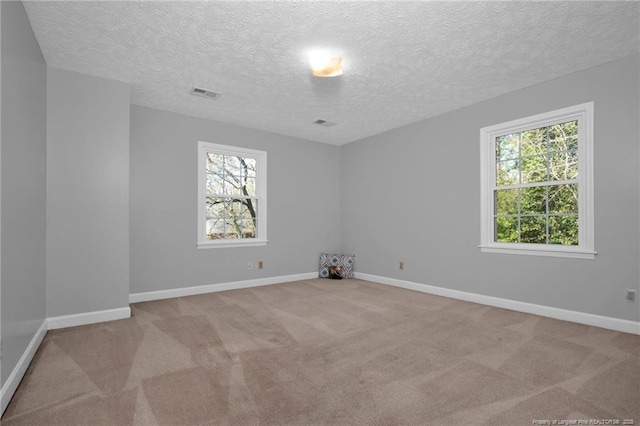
pixel 537 184
pixel 232 196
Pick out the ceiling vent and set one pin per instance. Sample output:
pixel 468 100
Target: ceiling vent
pixel 205 93
pixel 324 123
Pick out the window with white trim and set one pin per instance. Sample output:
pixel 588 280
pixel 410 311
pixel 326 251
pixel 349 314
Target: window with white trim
pixel 232 196
pixel 537 184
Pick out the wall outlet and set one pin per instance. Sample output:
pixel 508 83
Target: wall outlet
pixel 401 265
pixel 250 265
pixel 630 295
pixel 260 264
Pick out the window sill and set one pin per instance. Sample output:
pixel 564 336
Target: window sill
pixel 535 250
pixel 232 243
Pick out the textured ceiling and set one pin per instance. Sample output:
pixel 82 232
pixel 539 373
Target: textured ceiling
pixel 403 61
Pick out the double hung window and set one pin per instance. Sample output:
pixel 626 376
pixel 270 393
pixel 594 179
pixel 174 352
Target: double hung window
pixel 231 196
pixel 537 184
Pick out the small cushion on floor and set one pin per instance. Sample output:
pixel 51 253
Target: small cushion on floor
pixel 343 261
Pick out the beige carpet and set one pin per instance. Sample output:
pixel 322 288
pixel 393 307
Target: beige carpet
pixel 328 352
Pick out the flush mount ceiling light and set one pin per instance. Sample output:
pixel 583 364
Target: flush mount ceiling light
pixel 325 64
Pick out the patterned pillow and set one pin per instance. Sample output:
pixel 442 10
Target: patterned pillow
pixel 344 261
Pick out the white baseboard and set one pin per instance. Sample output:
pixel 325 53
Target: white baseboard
pixel 212 288
pixel 51 323
pixel 88 318
pixel 20 369
pixel 610 323
pixel 10 386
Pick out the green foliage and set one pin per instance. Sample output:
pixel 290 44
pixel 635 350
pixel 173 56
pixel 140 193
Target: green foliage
pixel 507 229
pixel 529 206
pixel 563 230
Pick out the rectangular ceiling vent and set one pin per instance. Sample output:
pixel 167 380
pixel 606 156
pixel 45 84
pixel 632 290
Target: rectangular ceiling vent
pixel 324 123
pixel 206 93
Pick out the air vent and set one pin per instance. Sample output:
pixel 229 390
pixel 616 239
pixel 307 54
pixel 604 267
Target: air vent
pixel 205 93
pixel 324 123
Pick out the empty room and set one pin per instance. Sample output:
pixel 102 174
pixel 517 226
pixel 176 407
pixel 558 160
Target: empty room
pixel 319 213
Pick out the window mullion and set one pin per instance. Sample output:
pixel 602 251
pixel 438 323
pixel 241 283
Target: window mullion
pixel 546 191
pixel 535 184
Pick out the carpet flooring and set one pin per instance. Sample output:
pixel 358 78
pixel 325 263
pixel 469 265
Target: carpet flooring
pixel 324 352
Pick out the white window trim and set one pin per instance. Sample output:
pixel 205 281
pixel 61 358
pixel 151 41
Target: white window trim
pixel 585 250
pixel 261 193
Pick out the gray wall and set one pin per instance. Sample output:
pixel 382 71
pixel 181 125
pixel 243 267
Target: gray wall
pixel 412 194
pixel 303 184
pixel 87 193
pixel 23 184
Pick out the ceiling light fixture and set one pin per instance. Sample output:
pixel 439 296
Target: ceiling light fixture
pixel 324 64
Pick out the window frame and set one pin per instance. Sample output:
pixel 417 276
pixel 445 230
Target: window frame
pixel 261 195
pixel 583 113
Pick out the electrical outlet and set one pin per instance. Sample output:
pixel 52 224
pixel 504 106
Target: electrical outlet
pixel 250 265
pixel 401 265
pixel 630 295
pixel 260 264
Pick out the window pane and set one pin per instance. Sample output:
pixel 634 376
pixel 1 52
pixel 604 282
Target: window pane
pixel 230 175
pixel 563 230
pixel 232 165
pixel 229 218
pixel 533 200
pixel 243 186
pixel 216 207
pixel 533 229
pixel 248 229
pixel 249 187
pixel 232 230
pixel 564 166
pixel 534 169
pixel 563 137
pixel 250 209
pixel 506 229
pixel 508 173
pixel 507 146
pixel 249 167
pixel 238 185
pixel 233 185
pixel 214 229
pixel 215 162
pixel 506 201
pixel 222 207
pixel 215 184
pixel 240 166
pixel 239 228
pixel 233 209
pixel 563 198
pixel 533 142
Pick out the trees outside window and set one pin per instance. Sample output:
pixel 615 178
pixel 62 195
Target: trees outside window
pixel 537 184
pixel 232 196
